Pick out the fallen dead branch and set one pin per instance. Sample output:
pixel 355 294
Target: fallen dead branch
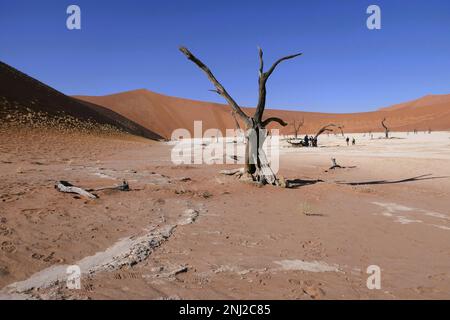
pixel 121 187
pixel 337 166
pixel 233 172
pixel 64 186
pixel 67 187
pixel 296 143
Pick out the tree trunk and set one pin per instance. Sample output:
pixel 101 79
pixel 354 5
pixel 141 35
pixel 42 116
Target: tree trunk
pixel 256 162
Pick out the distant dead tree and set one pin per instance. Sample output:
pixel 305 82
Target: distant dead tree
pixel 386 129
pixel 322 130
pixel 297 125
pixel 256 163
pixel 341 128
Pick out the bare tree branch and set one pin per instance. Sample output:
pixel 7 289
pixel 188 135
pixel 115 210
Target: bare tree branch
pixel 220 89
pixel 236 122
pixel 263 77
pixel 324 129
pixel 261 62
pixel 266 122
pixel 269 73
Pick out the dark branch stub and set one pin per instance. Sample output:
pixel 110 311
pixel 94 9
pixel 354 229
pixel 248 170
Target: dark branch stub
pixel 386 129
pixel 266 122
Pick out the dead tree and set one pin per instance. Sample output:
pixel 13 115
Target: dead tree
pixel 256 163
pixel 322 130
pixel 341 128
pixel 335 165
pixel 297 126
pixel 386 130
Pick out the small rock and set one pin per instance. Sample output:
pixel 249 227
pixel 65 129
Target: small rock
pixel 3 271
pixel 206 195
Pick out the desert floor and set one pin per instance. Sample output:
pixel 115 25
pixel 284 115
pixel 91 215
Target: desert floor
pixel 188 232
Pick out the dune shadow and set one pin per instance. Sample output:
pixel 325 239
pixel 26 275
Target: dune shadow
pixel 418 178
pixel 297 183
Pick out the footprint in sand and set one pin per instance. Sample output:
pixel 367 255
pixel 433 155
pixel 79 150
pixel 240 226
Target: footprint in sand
pixel 5 231
pixel 313 249
pixel 312 289
pixel 8 247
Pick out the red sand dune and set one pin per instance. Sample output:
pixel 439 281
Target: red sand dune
pixel 26 101
pixel 163 114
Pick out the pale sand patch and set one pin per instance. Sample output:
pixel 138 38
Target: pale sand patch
pixel 309 266
pixel 393 209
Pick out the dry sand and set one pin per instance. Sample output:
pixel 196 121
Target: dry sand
pixel 187 232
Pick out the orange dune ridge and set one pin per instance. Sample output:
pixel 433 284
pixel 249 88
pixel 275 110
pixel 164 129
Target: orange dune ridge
pixel 162 114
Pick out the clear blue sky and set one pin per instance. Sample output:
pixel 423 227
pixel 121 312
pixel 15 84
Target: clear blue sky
pixel 125 45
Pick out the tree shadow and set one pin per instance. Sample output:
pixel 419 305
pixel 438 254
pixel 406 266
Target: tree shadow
pixel 418 178
pixel 333 168
pixel 297 183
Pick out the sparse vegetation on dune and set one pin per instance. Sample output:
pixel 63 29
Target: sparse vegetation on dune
pixel 26 119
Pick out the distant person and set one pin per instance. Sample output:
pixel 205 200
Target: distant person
pixel 353 141
pixel 348 141
pixel 306 141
